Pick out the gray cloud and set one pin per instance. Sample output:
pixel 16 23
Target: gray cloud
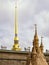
pixel 29 13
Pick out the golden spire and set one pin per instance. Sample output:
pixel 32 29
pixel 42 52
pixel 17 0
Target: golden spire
pixel 16 40
pixel 16 25
pixel 16 22
pixel 41 46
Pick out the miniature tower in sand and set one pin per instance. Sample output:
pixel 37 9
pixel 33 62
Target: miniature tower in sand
pixel 37 56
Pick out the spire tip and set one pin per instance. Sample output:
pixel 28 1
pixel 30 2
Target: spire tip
pixel 41 39
pixel 35 29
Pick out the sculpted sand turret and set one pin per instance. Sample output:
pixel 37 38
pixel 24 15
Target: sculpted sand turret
pixel 41 45
pixel 37 57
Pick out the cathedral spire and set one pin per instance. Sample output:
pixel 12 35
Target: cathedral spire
pixel 16 23
pixel 16 40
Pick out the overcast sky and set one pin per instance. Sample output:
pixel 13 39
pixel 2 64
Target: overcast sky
pixel 29 12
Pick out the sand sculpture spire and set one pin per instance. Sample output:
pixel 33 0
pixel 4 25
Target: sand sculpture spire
pixel 36 40
pixel 41 46
pixel 37 58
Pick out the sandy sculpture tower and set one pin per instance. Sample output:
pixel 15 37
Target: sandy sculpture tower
pixel 41 45
pixel 37 56
pixel 16 39
pixel 36 40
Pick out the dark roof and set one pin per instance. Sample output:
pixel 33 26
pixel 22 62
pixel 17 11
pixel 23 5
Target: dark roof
pixel 16 52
